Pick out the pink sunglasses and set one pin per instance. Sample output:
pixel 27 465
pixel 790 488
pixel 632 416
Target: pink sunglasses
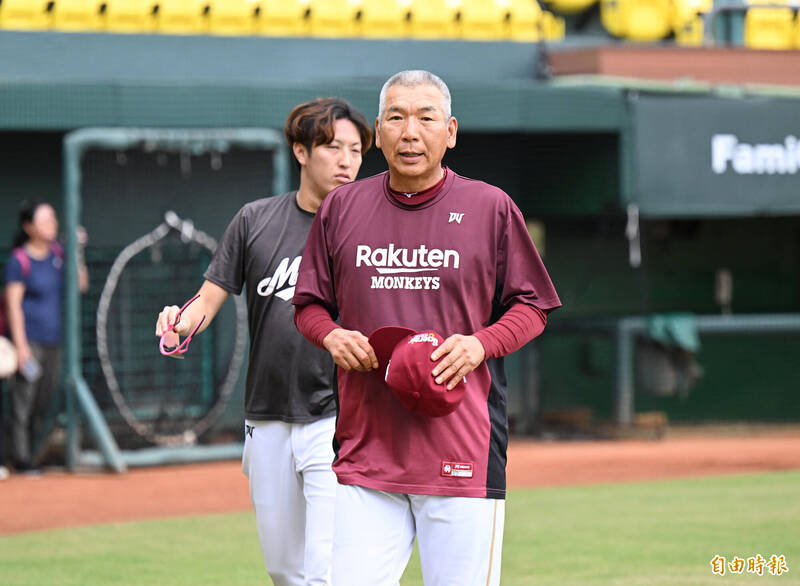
pixel 170 344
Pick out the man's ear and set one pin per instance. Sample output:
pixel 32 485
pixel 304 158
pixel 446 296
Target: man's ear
pixel 300 153
pixel 377 133
pixel 452 130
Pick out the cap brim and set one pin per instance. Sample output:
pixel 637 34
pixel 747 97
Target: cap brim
pixel 383 341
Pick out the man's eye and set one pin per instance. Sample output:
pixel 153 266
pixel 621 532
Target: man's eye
pixel 333 147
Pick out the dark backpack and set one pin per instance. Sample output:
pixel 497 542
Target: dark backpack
pixel 25 262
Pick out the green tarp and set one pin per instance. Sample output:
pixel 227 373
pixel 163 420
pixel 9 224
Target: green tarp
pixel 674 330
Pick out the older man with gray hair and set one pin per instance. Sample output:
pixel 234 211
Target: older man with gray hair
pixel 441 274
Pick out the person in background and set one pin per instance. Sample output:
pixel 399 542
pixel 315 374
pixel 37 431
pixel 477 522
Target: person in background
pixel 34 306
pixel 289 397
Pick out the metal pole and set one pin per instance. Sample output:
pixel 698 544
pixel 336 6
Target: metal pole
pixel 531 393
pixel 71 302
pixel 169 455
pixel 75 144
pixel 97 425
pixel 76 386
pixel 281 160
pixel 626 329
pixel 623 407
pixel 768 323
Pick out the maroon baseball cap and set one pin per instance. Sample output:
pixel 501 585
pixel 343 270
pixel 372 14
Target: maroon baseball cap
pixel 404 359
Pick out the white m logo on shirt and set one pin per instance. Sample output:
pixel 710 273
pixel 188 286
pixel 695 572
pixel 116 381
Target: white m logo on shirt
pixel 285 274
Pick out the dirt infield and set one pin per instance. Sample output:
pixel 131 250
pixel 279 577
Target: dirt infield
pixel 58 499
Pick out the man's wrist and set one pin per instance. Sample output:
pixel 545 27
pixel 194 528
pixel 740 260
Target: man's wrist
pixel 483 347
pixel 485 342
pixel 327 337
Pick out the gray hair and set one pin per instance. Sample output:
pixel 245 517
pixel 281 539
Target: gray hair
pixel 414 78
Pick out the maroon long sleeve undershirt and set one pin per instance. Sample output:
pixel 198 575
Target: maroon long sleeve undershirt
pixel 518 326
pixel 314 322
pixel 512 331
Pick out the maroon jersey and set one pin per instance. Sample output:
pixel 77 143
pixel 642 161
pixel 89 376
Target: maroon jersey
pixel 450 264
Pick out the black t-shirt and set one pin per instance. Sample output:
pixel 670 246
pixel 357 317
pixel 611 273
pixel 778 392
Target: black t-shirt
pixel 288 378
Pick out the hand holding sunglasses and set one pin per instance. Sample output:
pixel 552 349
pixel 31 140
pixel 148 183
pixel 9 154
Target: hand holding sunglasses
pixel 170 344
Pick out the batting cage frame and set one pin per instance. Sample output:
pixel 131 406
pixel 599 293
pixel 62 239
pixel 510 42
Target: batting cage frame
pixel 80 401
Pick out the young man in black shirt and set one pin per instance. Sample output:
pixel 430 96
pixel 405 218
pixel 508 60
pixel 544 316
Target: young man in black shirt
pixel 289 403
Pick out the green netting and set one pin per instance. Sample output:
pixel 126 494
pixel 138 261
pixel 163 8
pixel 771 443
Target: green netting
pixel 139 262
pixel 160 390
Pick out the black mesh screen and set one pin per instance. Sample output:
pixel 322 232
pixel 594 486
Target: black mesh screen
pixel 124 196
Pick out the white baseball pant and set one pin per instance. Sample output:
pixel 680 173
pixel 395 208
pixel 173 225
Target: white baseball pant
pixel 460 539
pixel 293 491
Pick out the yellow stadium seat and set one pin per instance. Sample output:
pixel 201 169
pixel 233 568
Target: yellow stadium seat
pixel 284 18
pixel 433 19
pixel 182 17
pixel 333 18
pixel 524 21
pixel 383 19
pixel 797 32
pixel 553 27
pixel 29 15
pixel 768 28
pixel 481 20
pixel 689 33
pixel 687 9
pixel 130 16
pixel 78 15
pixel 570 6
pixel 233 17
pixel 687 21
pixel 612 15
pixel 637 20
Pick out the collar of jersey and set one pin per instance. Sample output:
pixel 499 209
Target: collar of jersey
pixel 448 183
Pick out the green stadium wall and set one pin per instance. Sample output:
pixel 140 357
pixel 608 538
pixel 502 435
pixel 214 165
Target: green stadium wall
pixel 572 157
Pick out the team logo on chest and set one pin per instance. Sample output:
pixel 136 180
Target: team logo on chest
pixel 455 217
pixel 283 280
pixel 402 268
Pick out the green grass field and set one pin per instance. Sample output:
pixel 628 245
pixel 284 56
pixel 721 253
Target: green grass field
pixel 660 533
